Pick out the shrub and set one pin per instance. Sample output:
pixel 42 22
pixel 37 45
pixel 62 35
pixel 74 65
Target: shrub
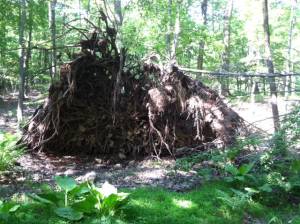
pixel 72 201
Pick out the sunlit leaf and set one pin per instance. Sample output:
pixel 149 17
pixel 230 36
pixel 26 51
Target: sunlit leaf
pixel 69 213
pixel 66 183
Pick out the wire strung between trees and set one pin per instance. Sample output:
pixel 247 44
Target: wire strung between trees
pixel 234 74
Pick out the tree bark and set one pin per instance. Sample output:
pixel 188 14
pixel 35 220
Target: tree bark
pixel 79 11
pixel 116 92
pixel 22 60
pixel 176 34
pixel 270 65
pixel 28 53
pixel 118 11
pixel 289 64
pixel 168 36
pixel 202 42
pixel 226 41
pixel 52 27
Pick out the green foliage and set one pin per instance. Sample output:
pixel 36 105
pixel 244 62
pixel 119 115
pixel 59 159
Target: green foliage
pixel 73 200
pixel 213 202
pixel 268 177
pixel 9 153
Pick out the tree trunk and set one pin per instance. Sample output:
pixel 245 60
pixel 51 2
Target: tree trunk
pixel 202 42
pixel 168 37
pixel 270 65
pixel 79 11
pixel 289 64
pixel 22 60
pixel 28 53
pixel 118 11
pixel 52 27
pixel 176 34
pixel 226 40
pixel 116 91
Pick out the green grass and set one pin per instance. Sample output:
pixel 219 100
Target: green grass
pixel 159 206
pixel 152 205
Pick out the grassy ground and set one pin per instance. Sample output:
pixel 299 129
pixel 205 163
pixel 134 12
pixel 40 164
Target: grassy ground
pixel 200 206
pixel 158 206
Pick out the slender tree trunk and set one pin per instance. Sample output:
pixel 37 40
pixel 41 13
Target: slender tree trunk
pixel 289 64
pixel 176 34
pixel 88 6
pixel 88 10
pixel 226 42
pixel 270 65
pixel 118 11
pixel 3 43
pixel 79 11
pixel 212 16
pixel 28 53
pixel 168 37
pixel 52 27
pixel 22 60
pixel 202 42
pixel 116 92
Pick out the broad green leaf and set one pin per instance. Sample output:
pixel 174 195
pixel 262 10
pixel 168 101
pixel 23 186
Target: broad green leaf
pixel 39 199
pixel 240 178
pixel 266 188
pixel 54 197
pixel 9 207
pixel 69 213
pixel 245 168
pixel 14 208
pixel 110 203
pixel 80 189
pixel 66 183
pixel 88 205
pixel 113 202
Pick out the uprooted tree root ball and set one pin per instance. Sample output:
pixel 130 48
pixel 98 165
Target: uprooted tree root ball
pixel 101 105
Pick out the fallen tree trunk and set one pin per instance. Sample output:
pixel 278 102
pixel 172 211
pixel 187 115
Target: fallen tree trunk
pixel 157 110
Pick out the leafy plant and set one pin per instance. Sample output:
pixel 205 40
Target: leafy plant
pixel 9 153
pixel 73 200
pixel 235 200
pixel 240 173
pixel 7 208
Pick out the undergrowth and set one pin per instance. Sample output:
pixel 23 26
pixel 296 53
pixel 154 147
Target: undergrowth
pixel 255 181
pixel 262 171
pixel 9 153
pixel 69 203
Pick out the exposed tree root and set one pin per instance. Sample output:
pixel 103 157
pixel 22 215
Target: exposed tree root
pixel 100 106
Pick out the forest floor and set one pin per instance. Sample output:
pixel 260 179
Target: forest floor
pixel 8 109
pixel 39 167
pixel 155 186
pixel 259 113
